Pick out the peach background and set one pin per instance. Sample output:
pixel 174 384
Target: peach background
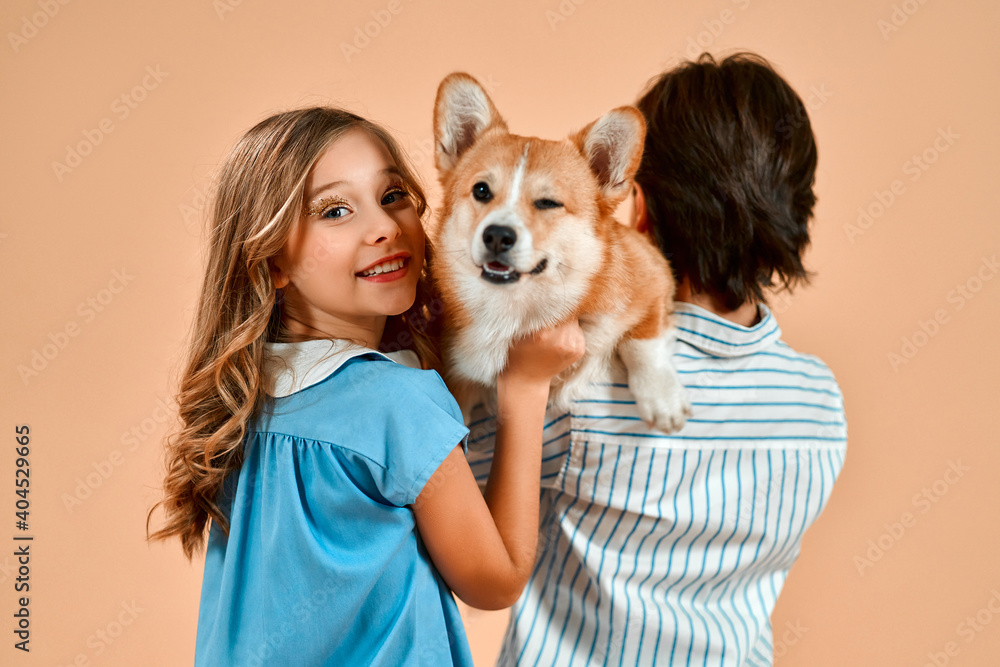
pixel 133 205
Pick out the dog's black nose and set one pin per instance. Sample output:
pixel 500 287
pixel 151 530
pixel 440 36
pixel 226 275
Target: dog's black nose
pixel 499 238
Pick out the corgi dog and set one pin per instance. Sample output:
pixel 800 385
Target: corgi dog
pixel 526 239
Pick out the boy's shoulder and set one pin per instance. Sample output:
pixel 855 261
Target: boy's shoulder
pixel 789 353
pixel 718 339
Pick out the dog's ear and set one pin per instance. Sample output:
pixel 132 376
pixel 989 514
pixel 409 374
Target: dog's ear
pixel 612 145
pixel 462 112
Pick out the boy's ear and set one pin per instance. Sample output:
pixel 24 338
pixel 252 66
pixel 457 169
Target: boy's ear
pixel 640 214
pixel 278 275
pixel 462 112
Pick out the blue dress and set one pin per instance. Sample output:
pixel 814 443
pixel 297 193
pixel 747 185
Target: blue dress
pixel 323 564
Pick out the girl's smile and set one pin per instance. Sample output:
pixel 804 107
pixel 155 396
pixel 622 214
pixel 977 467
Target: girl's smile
pixel 387 269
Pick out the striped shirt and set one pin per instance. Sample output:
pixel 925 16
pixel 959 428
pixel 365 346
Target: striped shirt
pixel 660 549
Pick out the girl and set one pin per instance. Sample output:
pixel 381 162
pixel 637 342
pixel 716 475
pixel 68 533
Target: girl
pixel 312 457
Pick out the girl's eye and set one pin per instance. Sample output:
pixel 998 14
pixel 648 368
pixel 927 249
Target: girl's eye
pixel 481 192
pixel 394 196
pixel 335 212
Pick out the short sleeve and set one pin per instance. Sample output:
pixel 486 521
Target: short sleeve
pixel 414 423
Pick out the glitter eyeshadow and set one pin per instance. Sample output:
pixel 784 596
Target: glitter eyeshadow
pixel 321 205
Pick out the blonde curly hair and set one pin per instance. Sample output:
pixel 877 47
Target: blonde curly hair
pixel 258 200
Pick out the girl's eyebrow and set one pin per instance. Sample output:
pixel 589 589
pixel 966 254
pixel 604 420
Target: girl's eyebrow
pixel 394 171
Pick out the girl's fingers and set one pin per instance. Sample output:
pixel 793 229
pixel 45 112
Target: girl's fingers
pixel 548 352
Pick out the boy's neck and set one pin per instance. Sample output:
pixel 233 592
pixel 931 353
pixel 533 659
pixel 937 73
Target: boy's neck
pixel 745 315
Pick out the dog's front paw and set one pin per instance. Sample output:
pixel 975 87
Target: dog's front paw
pixel 660 398
pixel 666 411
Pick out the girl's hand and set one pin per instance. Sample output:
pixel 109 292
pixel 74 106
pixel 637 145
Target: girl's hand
pixel 543 355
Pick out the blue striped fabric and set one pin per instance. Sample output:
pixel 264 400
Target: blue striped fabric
pixel 663 549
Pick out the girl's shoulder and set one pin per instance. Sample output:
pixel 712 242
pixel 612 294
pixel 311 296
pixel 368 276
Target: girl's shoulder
pixel 382 388
pixel 387 424
pixel 335 392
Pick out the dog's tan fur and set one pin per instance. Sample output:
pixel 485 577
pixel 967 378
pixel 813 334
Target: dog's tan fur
pixel 569 260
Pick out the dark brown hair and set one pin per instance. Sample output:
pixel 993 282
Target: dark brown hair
pixel 728 172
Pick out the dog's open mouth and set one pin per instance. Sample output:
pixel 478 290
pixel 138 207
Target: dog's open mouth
pixel 500 273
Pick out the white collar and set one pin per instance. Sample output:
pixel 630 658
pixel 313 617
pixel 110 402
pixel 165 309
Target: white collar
pixel 291 367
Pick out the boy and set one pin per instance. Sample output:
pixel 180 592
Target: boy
pixel 664 549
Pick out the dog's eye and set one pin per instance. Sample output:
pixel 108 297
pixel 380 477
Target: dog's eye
pixel 481 192
pixel 547 203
